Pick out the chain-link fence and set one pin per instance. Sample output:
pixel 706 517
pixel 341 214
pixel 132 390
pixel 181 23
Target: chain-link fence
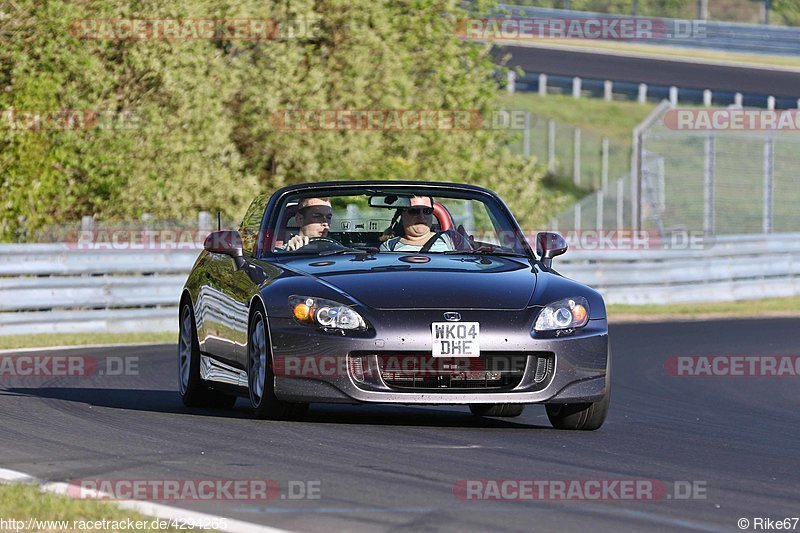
pixel 720 182
pixel 699 181
pixel 578 156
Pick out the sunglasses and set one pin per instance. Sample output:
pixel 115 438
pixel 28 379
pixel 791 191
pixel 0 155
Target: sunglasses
pixel 414 211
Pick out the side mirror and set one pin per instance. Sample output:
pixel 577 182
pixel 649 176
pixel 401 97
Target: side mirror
pixel 226 242
pixel 549 245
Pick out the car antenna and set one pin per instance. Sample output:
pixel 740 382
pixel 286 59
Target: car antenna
pixel 219 221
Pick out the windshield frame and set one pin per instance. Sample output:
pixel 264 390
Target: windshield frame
pixel 275 208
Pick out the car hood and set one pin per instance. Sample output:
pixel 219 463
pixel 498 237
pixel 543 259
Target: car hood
pixel 436 281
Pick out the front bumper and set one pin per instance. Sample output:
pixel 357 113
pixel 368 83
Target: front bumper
pixel 319 370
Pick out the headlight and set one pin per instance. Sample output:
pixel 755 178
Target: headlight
pixel 311 311
pixel 568 313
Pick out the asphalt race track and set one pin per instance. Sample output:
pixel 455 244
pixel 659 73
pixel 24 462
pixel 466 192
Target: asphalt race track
pixel 652 71
pixel 394 468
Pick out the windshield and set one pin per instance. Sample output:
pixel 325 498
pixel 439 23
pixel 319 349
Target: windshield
pixel 392 220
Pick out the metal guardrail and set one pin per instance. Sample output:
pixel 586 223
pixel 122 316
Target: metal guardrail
pixel 729 36
pixel 52 288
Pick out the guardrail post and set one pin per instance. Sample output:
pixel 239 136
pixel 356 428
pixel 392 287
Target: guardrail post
pixel 738 99
pixel 707 98
pixel 551 145
pixel 673 95
pixel 643 93
pixel 769 160
pixel 708 187
pixel 770 102
pixel 576 157
pixel 576 87
pixel 542 84
pixel 526 135
pixel 608 90
pixel 511 77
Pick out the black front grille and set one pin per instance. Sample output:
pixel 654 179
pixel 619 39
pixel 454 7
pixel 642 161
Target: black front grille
pixel 488 372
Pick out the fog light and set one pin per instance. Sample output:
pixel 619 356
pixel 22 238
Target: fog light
pixel 357 368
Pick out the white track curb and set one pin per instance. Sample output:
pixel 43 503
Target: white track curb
pixel 156 510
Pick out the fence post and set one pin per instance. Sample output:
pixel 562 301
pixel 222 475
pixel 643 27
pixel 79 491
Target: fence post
pixel 526 135
pixel 620 204
pixel 608 90
pixel 708 186
pixel 673 95
pixel 576 157
pixel 769 155
pixel 511 77
pixel 599 224
pixel 87 223
pixel 542 84
pixel 643 93
pixel 204 222
pixel 604 165
pixel 707 98
pixel 738 99
pixel 578 216
pixel 770 102
pixel 551 145
pixel 636 177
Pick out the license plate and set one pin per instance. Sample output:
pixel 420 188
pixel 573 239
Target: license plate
pixel 456 339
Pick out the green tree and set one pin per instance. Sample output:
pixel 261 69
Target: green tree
pixel 203 138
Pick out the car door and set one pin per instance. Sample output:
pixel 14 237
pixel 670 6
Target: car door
pixel 236 287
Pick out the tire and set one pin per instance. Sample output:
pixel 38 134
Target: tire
pixel 261 379
pixel 193 391
pixel 582 416
pixel 505 410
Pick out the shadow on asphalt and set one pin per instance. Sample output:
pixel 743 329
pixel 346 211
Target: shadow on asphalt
pixel 160 401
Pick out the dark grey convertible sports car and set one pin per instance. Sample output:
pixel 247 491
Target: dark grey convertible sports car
pixel 390 292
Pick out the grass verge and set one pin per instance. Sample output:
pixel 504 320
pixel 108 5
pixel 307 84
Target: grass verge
pixel 26 503
pixel 615 119
pixel 767 307
pixel 9 342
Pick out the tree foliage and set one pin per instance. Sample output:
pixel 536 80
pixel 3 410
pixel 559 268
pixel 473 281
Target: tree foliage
pixel 203 138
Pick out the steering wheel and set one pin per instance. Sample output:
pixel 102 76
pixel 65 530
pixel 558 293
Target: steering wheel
pixel 322 243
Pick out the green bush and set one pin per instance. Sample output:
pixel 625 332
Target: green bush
pixel 203 138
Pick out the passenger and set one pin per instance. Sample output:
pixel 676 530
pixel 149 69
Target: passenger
pixel 417 233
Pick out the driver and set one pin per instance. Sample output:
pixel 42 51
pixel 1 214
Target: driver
pixel 417 233
pixel 314 217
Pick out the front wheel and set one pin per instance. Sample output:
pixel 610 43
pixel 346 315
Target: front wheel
pixel 195 393
pixel 584 416
pixel 261 379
